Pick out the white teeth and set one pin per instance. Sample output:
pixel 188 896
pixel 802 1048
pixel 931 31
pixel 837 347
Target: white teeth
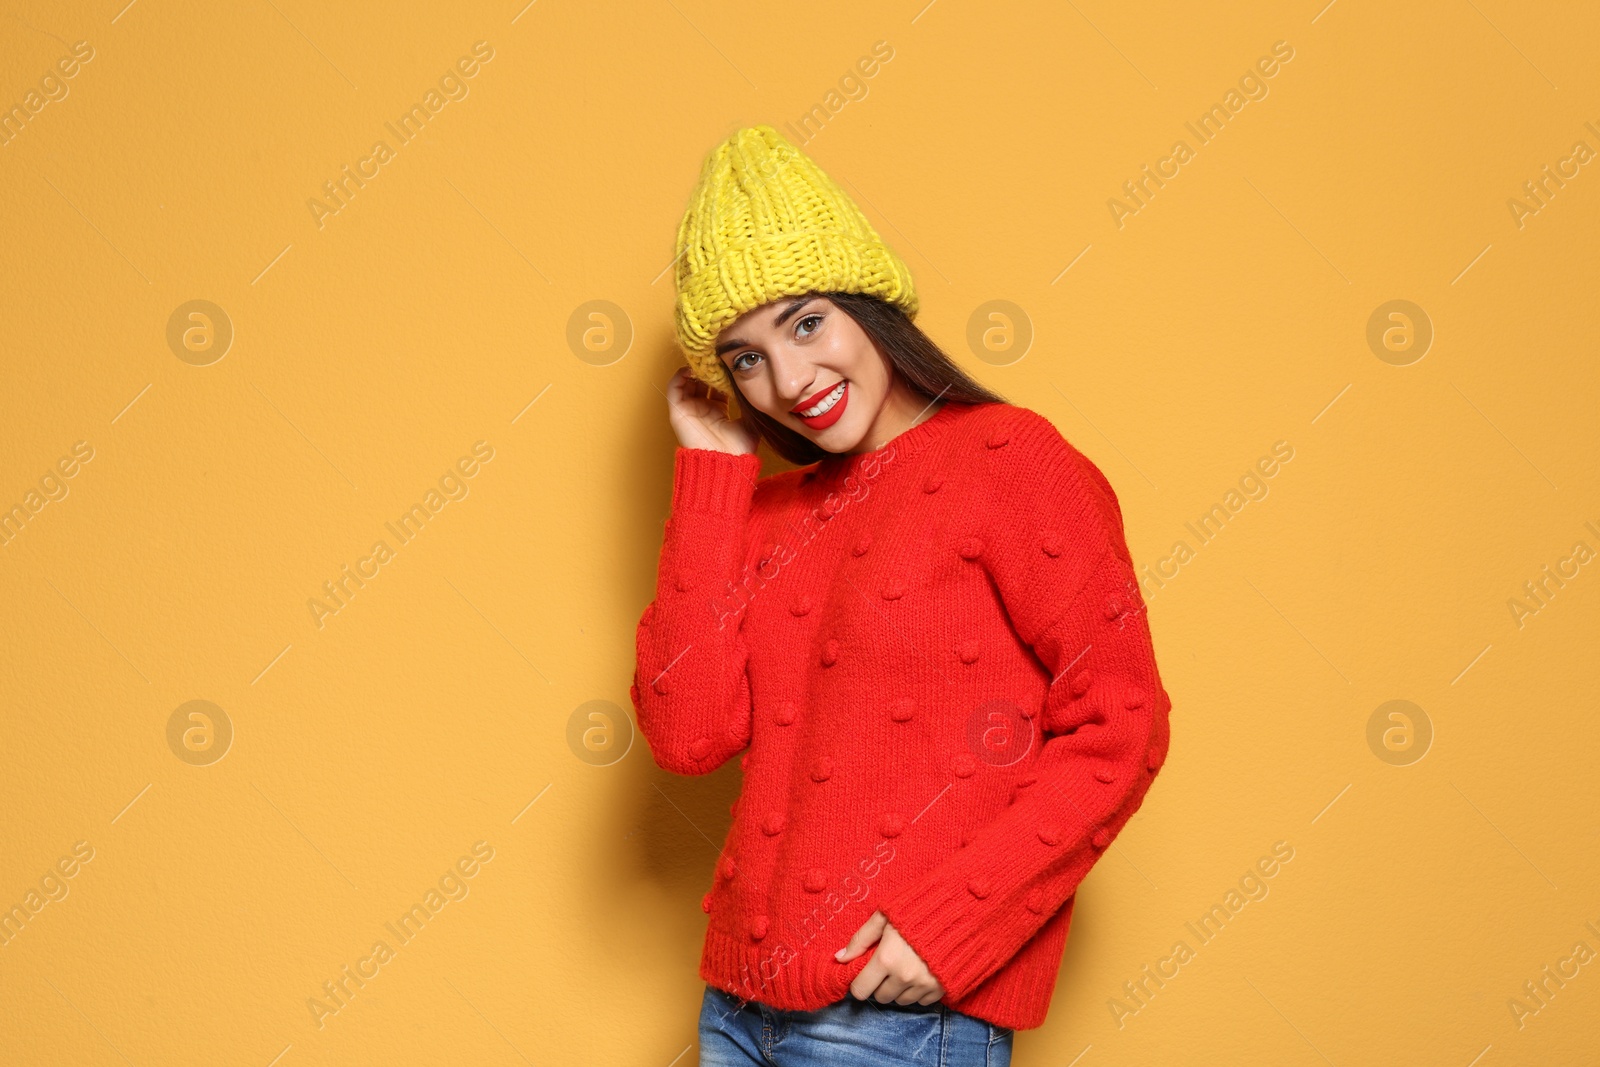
pixel 826 403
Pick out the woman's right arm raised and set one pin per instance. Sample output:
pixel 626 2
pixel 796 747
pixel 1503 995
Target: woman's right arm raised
pixel 690 687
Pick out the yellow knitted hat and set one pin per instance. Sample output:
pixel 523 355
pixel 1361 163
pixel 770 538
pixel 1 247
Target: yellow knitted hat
pixel 765 222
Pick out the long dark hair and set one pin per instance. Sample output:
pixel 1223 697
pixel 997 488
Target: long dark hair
pixel 914 356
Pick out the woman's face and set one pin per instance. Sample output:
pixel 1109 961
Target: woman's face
pixel 808 365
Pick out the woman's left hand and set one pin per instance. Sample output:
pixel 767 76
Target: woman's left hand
pixel 895 972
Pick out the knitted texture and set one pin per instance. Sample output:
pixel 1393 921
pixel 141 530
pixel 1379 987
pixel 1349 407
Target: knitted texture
pixel 765 222
pixel 939 660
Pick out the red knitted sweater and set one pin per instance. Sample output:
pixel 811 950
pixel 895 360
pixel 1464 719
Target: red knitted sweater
pixel 938 657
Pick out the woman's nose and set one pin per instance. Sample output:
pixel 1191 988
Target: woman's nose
pixel 791 377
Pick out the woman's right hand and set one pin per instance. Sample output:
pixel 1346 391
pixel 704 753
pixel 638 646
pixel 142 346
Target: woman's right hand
pixel 699 416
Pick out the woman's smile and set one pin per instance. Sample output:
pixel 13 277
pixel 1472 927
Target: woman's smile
pixel 824 408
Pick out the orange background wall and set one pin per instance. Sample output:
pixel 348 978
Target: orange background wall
pixel 437 334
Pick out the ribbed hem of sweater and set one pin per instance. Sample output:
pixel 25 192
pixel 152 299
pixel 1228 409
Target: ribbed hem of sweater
pixel 1016 997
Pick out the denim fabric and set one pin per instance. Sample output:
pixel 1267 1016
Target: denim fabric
pixel 847 1033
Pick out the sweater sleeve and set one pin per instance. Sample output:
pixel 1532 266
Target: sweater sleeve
pixel 691 689
pixel 1053 544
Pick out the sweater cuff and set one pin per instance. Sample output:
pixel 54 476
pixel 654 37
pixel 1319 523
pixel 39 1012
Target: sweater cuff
pixel 965 919
pixel 710 481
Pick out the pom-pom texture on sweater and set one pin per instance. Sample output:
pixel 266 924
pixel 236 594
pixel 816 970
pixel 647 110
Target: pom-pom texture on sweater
pixel 939 660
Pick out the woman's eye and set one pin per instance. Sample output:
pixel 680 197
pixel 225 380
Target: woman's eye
pixel 738 361
pixel 809 318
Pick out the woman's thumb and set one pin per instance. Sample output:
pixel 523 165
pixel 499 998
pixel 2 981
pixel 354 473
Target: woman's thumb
pixel 864 938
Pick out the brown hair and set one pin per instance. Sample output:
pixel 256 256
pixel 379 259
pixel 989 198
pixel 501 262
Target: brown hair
pixel 913 356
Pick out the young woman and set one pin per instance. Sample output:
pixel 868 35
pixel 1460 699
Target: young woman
pixel 927 640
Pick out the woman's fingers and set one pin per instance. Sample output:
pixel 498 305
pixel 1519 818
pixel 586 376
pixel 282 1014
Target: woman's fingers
pixel 867 984
pixel 697 389
pixel 700 417
pixel 683 392
pixel 866 934
pixel 877 982
pixel 685 386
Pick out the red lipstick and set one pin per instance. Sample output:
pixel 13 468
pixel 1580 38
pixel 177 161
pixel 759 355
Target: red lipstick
pixel 830 416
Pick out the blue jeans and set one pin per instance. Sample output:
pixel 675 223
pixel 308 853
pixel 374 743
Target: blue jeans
pixel 846 1033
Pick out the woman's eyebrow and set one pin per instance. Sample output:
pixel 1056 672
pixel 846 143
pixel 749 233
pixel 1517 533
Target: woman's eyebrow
pixel 790 309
